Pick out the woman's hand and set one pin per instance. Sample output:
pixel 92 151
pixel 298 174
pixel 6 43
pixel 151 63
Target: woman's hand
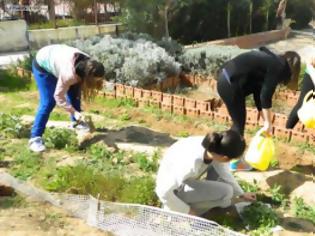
pixel 249 197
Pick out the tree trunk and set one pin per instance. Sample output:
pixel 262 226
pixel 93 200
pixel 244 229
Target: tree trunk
pixel 250 17
pixel 167 33
pixel 267 20
pixel 95 12
pixel 52 13
pixel 25 14
pixel 229 8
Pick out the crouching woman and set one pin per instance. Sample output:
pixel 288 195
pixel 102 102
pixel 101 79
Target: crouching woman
pixel 179 185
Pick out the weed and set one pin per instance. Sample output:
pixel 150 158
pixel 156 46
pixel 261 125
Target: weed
pixel 125 117
pixel 61 138
pixel 300 209
pixel 183 134
pixel 249 187
pixel 11 82
pixel 26 164
pixel 303 147
pixel 145 163
pixel 140 190
pixel 11 126
pixel 83 179
pixel 259 216
pixel 277 195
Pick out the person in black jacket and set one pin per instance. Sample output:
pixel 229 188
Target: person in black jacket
pixel 257 72
pixel 308 84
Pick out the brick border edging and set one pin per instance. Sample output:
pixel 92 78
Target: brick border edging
pixel 181 105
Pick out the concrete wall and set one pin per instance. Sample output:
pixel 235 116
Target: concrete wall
pixel 42 37
pixel 249 41
pixel 13 36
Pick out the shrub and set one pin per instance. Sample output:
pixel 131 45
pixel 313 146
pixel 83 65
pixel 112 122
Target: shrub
pixel 10 82
pixel 11 126
pixel 137 63
pixel 61 138
pixel 300 209
pixel 208 60
pixel 140 190
pixel 258 215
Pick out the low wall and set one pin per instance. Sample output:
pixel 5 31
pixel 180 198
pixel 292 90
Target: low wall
pixel 13 36
pixel 249 41
pixel 43 37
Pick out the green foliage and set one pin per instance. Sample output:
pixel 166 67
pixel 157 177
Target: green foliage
pixel 300 209
pixel 10 82
pixel 140 190
pixel 208 60
pixel 26 164
pixel 137 63
pixel 259 216
pixel 249 187
pixel 59 23
pixel 277 194
pixel 83 179
pixel 147 164
pixel 300 12
pixel 26 61
pixel 12 202
pixel 11 126
pixel 61 138
pixel 183 134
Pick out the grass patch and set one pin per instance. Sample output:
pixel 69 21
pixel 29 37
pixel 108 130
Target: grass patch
pixel 11 126
pixel 302 210
pixel 12 202
pixel 249 187
pixel 9 82
pixel 26 164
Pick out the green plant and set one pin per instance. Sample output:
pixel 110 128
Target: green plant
pixel 11 126
pixel 300 209
pixel 146 163
pixel 277 194
pixel 183 134
pixel 124 117
pixel 10 82
pixel 140 190
pixel 249 187
pixel 61 138
pixel 83 179
pixel 26 164
pixel 12 202
pixel 259 216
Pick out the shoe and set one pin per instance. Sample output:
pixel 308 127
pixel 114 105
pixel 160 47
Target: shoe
pixel 80 127
pixel 36 144
pixel 239 165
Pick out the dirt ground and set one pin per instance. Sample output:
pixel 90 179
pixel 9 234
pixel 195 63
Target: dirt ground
pixel 41 219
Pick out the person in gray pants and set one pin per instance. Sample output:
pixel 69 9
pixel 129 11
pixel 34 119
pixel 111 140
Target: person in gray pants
pixel 179 185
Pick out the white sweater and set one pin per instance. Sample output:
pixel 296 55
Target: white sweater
pixel 182 161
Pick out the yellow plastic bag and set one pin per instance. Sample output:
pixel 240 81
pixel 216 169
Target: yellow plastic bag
pixel 307 112
pixel 261 151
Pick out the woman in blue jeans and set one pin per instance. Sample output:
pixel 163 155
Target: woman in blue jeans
pixel 61 74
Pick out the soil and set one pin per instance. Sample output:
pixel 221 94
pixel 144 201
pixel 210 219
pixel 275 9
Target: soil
pixel 41 220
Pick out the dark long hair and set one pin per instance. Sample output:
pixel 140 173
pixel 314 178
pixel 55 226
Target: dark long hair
pixel 228 143
pixel 293 60
pixel 92 74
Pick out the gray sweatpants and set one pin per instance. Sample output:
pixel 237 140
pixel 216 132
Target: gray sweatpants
pixel 202 195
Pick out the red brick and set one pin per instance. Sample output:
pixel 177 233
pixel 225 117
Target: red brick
pixel 279 120
pixel 147 94
pixel 282 133
pixel 178 101
pixel 110 95
pixel 203 106
pixel 192 112
pixel 157 96
pixel 299 127
pixel 251 115
pixel 120 90
pixel 167 99
pixel 129 91
pixel 223 110
pixel 178 110
pixel 251 124
pixel 190 103
pixel 142 102
pixel 219 117
pixel 166 107
pixel 299 136
pixel 208 114
pixel 138 93
pixel 156 104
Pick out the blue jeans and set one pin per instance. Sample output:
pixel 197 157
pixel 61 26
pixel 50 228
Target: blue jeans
pixel 46 84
